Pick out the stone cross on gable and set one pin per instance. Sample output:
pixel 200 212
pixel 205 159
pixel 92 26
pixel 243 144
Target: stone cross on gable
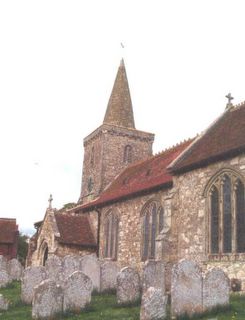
pixel 50 201
pixel 230 98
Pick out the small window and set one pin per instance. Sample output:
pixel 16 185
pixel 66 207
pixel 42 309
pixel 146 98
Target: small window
pixel 92 157
pixel 90 184
pixel 127 156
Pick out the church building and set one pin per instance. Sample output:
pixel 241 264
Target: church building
pixel 185 202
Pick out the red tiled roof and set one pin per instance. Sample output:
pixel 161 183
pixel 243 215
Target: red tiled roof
pixel 74 229
pixel 223 139
pixel 8 230
pixel 142 176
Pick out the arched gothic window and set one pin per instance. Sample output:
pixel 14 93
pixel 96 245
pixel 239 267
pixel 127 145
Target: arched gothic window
pixel 111 225
pixel 227 214
pixel 127 156
pixel 152 224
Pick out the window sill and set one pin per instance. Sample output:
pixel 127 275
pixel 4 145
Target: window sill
pixel 226 257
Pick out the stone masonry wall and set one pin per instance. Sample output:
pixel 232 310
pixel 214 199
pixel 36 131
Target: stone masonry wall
pixel 130 224
pixel 190 218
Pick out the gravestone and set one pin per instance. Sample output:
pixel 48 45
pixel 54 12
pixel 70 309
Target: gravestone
pixel 47 300
pixel 91 267
pixel 216 289
pixel 108 276
pixel 77 292
pixel 153 275
pixel 4 305
pixel 32 276
pixel 54 269
pixel 15 269
pixel 128 286
pixel 70 265
pixel 153 304
pixel 186 288
pixel 4 276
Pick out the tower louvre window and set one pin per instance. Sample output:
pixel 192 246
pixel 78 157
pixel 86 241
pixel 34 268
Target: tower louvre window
pixel 127 156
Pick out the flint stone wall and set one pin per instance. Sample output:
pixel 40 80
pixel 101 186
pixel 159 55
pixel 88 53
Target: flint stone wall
pixel 186 288
pixel 153 304
pixel 216 289
pixel 90 265
pixel 32 276
pixel 128 286
pixel 153 275
pixel 191 229
pixel 47 300
pixel 77 292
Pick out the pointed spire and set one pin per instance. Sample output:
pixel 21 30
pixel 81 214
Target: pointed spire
pixel 119 109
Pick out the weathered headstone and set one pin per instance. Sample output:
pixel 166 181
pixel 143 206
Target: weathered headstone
pixel 153 304
pixel 77 292
pixel 216 289
pixel 153 275
pixel 108 276
pixel 70 265
pixel 32 276
pixel 47 300
pixel 128 286
pixel 4 276
pixel 91 267
pixel 54 268
pixel 4 305
pixel 15 269
pixel 186 288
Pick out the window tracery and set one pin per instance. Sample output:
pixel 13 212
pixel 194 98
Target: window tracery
pixel 152 224
pixel 227 214
pixel 111 225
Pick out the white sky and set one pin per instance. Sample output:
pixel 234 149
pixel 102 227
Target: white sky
pixel 58 61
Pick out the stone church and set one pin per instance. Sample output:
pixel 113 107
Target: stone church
pixel 186 202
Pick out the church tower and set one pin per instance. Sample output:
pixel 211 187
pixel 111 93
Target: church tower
pixel 115 144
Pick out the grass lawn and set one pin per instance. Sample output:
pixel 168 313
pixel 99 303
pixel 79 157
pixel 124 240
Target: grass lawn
pixel 104 307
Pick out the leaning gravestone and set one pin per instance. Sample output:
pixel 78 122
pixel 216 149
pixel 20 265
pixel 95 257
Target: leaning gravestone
pixel 4 305
pixel 128 286
pixel 4 276
pixel 186 288
pixel 91 267
pixel 70 265
pixel 108 276
pixel 77 292
pixel 153 304
pixel 153 275
pixel 15 269
pixel 32 276
pixel 216 289
pixel 47 300
pixel 54 269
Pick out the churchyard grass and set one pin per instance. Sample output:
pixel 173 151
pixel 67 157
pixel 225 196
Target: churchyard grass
pixel 104 307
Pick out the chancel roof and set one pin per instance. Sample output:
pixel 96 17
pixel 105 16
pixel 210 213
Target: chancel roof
pixel 223 139
pixel 8 230
pixel 141 177
pixel 74 229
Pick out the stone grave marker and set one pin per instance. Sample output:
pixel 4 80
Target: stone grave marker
pixel 153 275
pixel 91 267
pixel 32 276
pixel 108 276
pixel 47 300
pixel 128 286
pixel 153 304
pixel 15 269
pixel 186 288
pixel 77 292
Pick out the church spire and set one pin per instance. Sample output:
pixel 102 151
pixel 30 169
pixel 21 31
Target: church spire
pixel 119 109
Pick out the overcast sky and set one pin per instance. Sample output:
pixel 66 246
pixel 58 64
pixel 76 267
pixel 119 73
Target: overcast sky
pixel 58 62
